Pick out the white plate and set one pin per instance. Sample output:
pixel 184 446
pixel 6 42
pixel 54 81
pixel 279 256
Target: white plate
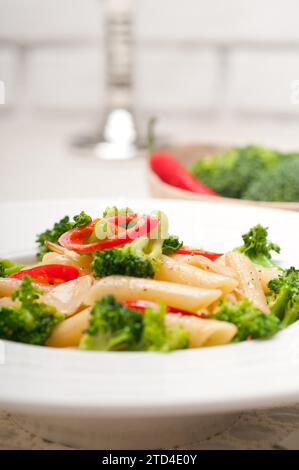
pixel 202 381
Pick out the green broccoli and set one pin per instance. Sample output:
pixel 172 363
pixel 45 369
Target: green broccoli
pixel 171 244
pixel 157 337
pixel 257 247
pixel 8 267
pixel 251 322
pixel 52 235
pixel 81 219
pixel 30 322
pixel 280 183
pixel 60 227
pixel 286 296
pixel 138 258
pixel 114 327
pixel 231 172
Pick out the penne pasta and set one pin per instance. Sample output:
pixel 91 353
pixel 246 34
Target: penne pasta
pixel 265 275
pixel 83 262
pixel 205 263
pixel 249 283
pixel 176 295
pixel 8 286
pixel 68 333
pixel 67 298
pixel 173 271
pixel 203 332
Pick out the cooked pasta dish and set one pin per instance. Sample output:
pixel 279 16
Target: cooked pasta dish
pixel 123 282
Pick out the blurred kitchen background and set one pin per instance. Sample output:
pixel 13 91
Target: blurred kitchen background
pixel 211 71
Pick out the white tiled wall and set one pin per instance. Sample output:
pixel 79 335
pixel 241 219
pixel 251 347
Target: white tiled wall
pixel 221 21
pixel 191 56
pixel 65 78
pixel 168 79
pixel 48 20
pixel 9 74
pixel 260 80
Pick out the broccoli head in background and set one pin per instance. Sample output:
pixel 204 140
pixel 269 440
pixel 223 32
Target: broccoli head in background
pixel 138 258
pixel 29 322
pixel 257 247
pixel 280 183
pixel 251 322
pixel 285 288
pixel 114 327
pixel 230 173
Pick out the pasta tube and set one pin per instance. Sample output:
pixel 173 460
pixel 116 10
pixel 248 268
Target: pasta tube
pixel 67 298
pixel 204 263
pixel 203 332
pixel 173 271
pixel 130 288
pixel 8 286
pixel 68 333
pixel 83 262
pixel 265 275
pixel 249 282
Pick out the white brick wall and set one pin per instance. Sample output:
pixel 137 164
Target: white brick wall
pixel 8 75
pixel 218 20
pixel 64 78
pixel 46 20
pixel 191 56
pixel 260 80
pixel 170 80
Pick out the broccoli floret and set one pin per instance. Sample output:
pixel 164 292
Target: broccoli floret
pixel 156 337
pixel 251 322
pixel 114 327
pixel 280 183
pixel 230 173
pixel 52 235
pixel 257 247
pixel 59 228
pixel 138 258
pixel 171 244
pixel 81 219
pixel 286 296
pixel 8 267
pixel 30 322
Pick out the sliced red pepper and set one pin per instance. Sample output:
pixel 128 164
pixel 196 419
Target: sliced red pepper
pixel 76 238
pixel 141 305
pixel 185 250
pixel 49 273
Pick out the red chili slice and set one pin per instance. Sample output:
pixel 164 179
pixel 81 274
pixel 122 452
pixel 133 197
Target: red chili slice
pixel 76 239
pixel 49 273
pixel 141 305
pixel 185 250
